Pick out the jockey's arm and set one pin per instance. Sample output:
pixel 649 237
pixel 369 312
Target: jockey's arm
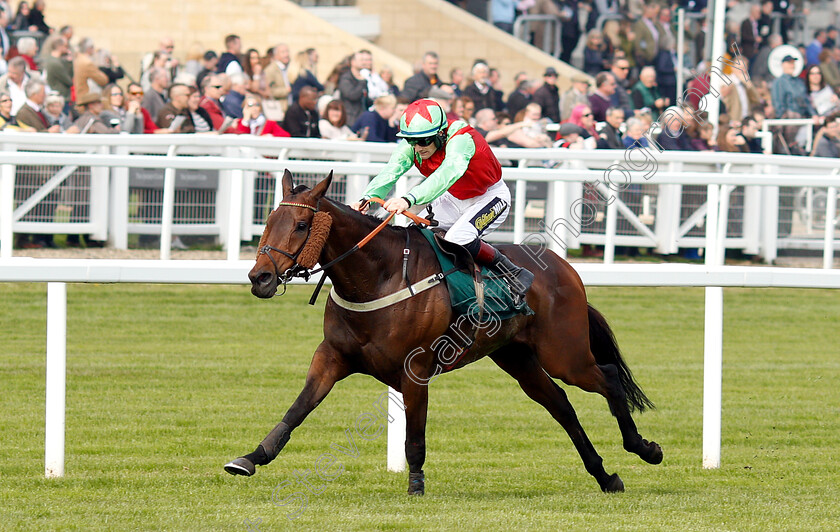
pixel 400 162
pixel 459 151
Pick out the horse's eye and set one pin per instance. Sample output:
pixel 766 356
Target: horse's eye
pixel 301 226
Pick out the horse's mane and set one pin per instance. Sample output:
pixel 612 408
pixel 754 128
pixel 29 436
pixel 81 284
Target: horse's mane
pixel 371 221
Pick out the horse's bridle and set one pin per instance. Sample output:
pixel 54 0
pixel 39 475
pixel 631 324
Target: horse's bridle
pixel 296 270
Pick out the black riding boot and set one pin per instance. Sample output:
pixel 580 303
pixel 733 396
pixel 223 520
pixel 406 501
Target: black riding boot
pixel 518 278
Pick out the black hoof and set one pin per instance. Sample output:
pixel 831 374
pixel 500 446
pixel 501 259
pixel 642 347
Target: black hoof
pixel 613 485
pixel 653 453
pixel 416 483
pixel 241 466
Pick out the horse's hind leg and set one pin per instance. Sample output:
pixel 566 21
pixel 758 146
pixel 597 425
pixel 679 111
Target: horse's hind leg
pixel 522 365
pixel 588 357
pixel 324 371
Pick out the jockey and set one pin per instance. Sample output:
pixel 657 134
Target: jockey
pixel 463 185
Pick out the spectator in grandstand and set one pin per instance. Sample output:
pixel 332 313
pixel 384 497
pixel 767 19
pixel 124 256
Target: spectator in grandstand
pixel 5 42
pixel 739 96
pixel 54 111
pixel 479 90
pixel 156 97
pixel 634 136
pixel 141 120
pixel 254 122
pixel 162 58
pixel 705 139
pixel 232 102
pixel 521 97
pixel 599 100
pixel 109 64
pixel 418 85
pixel 193 63
pixel 487 123
pixel 751 39
pixel 503 13
pixel 582 116
pixel 456 79
pixel 85 72
pixel 765 22
pixel 464 108
pixel 159 60
pixel 674 136
pixel 829 68
pixel 594 53
pixel 208 66
pixel 307 67
pixel 58 69
pixel 577 95
pixel 620 69
pixel 14 81
pixel 571 137
pixel 254 70
pixel 178 106
pixel 375 122
pixel 229 61
pixel 28 49
pixel 7 119
pixel 790 96
pixel 534 127
pixel 823 98
pixel 302 117
pixel 334 126
pixel 353 87
pixel 649 32
pixel 759 66
pixel 36 18
pixel 20 22
pixel 31 114
pixel 827 139
pixel 812 52
pixel 645 92
pixel 277 76
pixel 749 128
pixel 729 140
pixel 387 75
pixel 444 96
pixel 548 95
pixel 495 81
pixel 610 136
pixel 200 118
pixel 211 90
pixel 114 107
pixel 90 119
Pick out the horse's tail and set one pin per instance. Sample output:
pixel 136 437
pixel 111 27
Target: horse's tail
pixel 604 347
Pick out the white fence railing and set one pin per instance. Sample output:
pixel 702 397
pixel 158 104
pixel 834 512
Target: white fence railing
pixel 57 272
pixel 777 202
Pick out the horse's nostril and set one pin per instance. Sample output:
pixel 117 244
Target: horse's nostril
pixel 264 278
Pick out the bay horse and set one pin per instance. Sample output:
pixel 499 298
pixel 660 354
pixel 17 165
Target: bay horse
pixel 565 338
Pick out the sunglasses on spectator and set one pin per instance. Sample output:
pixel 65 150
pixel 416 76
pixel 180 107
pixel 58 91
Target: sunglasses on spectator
pixel 116 94
pixel 216 86
pixel 254 104
pixel 136 93
pixel 623 67
pixel 587 114
pixel 4 100
pixel 423 142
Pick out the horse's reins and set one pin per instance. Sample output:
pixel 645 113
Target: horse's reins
pixel 300 271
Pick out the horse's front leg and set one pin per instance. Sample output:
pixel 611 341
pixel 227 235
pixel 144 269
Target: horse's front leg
pixel 416 398
pixel 325 370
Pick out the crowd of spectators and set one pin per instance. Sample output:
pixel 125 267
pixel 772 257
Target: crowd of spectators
pixel 61 84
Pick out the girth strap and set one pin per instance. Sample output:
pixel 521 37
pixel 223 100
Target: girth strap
pixel 396 297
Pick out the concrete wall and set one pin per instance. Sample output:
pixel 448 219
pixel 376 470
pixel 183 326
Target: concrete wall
pixel 411 27
pixel 130 29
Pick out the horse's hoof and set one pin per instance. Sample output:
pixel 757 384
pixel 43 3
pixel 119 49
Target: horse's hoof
pixel 653 454
pixel 417 483
pixel 613 485
pixel 241 466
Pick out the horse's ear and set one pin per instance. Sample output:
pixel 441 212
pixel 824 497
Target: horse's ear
pixel 322 187
pixel 288 185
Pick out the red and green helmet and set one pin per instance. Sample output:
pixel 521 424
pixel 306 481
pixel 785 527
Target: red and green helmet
pixel 422 118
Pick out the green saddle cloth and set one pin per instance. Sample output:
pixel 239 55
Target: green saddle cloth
pixel 497 298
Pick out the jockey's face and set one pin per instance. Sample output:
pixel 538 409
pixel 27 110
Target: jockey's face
pixel 424 152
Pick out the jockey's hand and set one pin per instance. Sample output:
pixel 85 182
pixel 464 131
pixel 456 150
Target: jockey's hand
pixel 357 206
pixel 396 205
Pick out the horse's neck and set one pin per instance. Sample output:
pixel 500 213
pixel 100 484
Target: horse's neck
pixel 365 274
